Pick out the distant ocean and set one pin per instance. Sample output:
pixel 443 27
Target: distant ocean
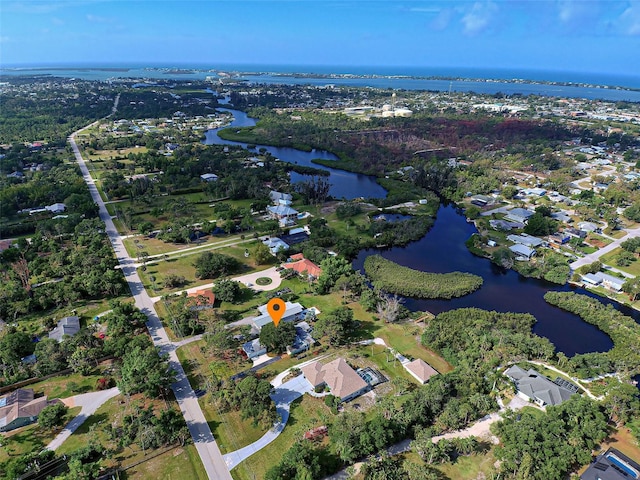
pixel 607 86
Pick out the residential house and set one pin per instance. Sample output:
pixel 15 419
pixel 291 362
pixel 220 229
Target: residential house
pixel 279 198
pixel 588 227
pixel 574 232
pixel 559 238
pixel 420 370
pixel 275 244
pixel 342 380
pixel 301 265
pixel 56 208
pixel 519 215
pixel 303 340
pixel 202 299
pixel 292 313
pixel 612 465
pixel 504 225
pixel 21 408
pixel 66 326
pixel 611 282
pixel 285 215
pixel 254 349
pixel 534 387
pixel 527 240
pixel 482 200
pixel 209 177
pixel 522 252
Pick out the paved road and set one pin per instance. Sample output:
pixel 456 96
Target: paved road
pixel 251 278
pixel 198 427
pixel 283 396
pixel 592 257
pixel 89 402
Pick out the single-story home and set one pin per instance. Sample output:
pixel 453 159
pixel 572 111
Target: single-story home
pixel 209 177
pixel 534 387
pixel 562 217
pixel 559 238
pixel 279 198
pixel 525 239
pixel 519 215
pixel 482 200
pixel 420 370
pixel 342 380
pixel 276 244
pixel 202 299
pixel 292 312
pixel 56 208
pixel 612 465
pixel 588 227
pixel 607 281
pixel 21 408
pixel 522 251
pixel 66 326
pixel 504 225
pixel 303 340
pixel 254 349
pixel 301 264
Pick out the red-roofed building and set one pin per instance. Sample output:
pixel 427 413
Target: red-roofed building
pixel 203 299
pixel 301 265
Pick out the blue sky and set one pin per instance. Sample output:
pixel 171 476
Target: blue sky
pixel 583 36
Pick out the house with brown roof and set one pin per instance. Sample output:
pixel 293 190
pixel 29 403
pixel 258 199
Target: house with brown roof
pixel 21 408
pixel 301 265
pixel 342 380
pixel 202 299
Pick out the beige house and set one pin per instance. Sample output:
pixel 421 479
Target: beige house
pixel 343 381
pixel 420 370
pixel 20 408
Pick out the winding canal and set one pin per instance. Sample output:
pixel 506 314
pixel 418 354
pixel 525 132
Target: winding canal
pixel 443 250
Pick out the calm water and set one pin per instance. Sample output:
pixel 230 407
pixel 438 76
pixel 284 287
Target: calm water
pixel 200 72
pixel 442 250
pixel 343 184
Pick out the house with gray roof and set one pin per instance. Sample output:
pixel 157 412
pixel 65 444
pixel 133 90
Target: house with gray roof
pixel 612 465
pixel 535 387
pixel 343 381
pixel 292 312
pixel 66 326
pixel 519 215
pixel 21 408
pixel 525 239
pixel 522 251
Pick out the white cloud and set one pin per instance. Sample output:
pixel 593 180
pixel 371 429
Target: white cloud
pixel 442 20
pixel 97 19
pixel 479 18
pixel 630 20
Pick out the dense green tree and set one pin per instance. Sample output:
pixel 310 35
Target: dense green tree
pixel 52 416
pixel 214 265
pixel 336 325
pixel 277 338
pixel 227 290
pixel 143 370
pixel 14 346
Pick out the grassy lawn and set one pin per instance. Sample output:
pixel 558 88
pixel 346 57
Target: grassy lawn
pixel 306 413
pixel 610 259
pixel 31 438
pixel 62 386
pixel 469 468
pixel 229 429
pixel 179 463
pixel 404 338
pixel 199 366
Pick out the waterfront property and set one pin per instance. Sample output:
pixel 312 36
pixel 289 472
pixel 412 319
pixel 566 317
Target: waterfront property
pixel 526 240
pixel 522 252
pixel 534 387
pixel 21 408
pixel 342 380
pixel 607 281
pixel 66 326
pixel 612 465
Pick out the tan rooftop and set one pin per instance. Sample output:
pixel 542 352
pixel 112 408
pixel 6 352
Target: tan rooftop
pixel 338 375
pixel 421 370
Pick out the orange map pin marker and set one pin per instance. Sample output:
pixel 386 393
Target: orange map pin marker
pixel 276 309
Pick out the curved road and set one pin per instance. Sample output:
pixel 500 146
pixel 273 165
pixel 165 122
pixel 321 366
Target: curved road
pixel 206 445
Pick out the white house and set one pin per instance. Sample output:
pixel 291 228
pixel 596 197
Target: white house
pixel 209 177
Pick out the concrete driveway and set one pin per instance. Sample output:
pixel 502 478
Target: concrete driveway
pixel 251 278
pixel 283 396
pixel 89 402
